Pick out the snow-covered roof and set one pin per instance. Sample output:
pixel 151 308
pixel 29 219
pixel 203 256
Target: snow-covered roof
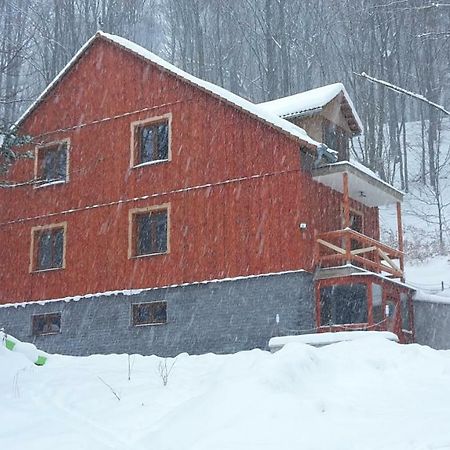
pixel 364 185
pixel 320 339
pixel 219 92
pixel 313 101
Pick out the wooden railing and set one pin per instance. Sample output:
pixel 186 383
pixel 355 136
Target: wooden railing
pixel 335 248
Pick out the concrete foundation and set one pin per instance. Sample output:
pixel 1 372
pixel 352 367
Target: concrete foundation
pixel 222 317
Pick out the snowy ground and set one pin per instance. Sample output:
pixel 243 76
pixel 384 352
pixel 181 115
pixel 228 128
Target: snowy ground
pixel 429 276
pixel 425 268
pixel 366 394
pixel 420 212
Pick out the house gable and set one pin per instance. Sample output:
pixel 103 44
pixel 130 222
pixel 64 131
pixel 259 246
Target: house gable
pixel 331 102
pixel 218 92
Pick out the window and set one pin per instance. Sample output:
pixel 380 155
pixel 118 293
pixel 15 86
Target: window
pixel 405 312
pixel 51 163
pixel 43 324
pixel 48 247
pixel 356 221
pixel 153 313
pixel 336 139
pixel 151 141
pixel 356 224
pixel 149 234
pixel 343 304
pixel 377 304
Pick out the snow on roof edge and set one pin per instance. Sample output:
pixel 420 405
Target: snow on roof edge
pixel 422 296
pixel 214 89
pixel 140 290
pixel 352 106
pixel 315 106
pixel 272 119
pixel 369 172
pixel 359 271
pixel 335 337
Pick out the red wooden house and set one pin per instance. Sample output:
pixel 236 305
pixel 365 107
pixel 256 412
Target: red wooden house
pixel 167 214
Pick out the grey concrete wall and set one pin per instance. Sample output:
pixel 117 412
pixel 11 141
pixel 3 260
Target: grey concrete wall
pixel 220 317
pixel 432 324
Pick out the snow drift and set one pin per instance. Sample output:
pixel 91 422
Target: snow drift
pixel 371 393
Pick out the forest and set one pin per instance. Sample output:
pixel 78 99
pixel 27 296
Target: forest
pixel 261 50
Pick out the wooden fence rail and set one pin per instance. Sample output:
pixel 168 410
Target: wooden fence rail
pixel 350 247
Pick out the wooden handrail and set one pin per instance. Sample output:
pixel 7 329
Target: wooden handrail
pixel 362 238
pixel 374 255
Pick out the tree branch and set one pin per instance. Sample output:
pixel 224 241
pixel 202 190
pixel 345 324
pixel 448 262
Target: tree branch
pixel 395 88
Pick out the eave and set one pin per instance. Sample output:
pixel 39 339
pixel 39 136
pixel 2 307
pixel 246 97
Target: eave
pixel 364 186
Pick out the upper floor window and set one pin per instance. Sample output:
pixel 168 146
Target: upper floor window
pixel 51 163
pixel 48 247
pixel 149 231
pixel 151 141
pixel 336 139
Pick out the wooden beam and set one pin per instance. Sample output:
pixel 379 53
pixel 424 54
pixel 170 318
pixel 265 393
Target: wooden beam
pixel 331 246
pixel 400 236
pixel 368 264
pixel 335 257
pixel 346 202
pixel 358 251
pixel 389 261
pixel 392 252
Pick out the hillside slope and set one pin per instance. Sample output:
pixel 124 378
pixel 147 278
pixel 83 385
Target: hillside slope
pixel 427 265
pixel 371 394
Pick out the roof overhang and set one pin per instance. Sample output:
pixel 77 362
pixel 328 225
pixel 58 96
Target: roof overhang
pixel 314 101
pixel 364 186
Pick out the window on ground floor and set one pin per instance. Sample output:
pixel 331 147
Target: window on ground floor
pixel 152 313
pixel 343 304
pixel 377 304
pixel 43 324
pixel 406 325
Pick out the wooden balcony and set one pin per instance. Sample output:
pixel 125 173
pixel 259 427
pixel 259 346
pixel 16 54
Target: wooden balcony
pixel 340 247
pixel 347 246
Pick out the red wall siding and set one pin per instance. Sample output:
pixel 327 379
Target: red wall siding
pixel 238 228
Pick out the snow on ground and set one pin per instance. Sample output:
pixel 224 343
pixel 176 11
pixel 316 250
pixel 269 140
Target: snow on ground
pixel 425 268
pixel 420 213
pixel 321 339
pixel 366 394
pixel 429 275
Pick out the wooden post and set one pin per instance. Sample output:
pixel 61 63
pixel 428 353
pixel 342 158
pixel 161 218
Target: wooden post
pixel 346 204
pixel 400 237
